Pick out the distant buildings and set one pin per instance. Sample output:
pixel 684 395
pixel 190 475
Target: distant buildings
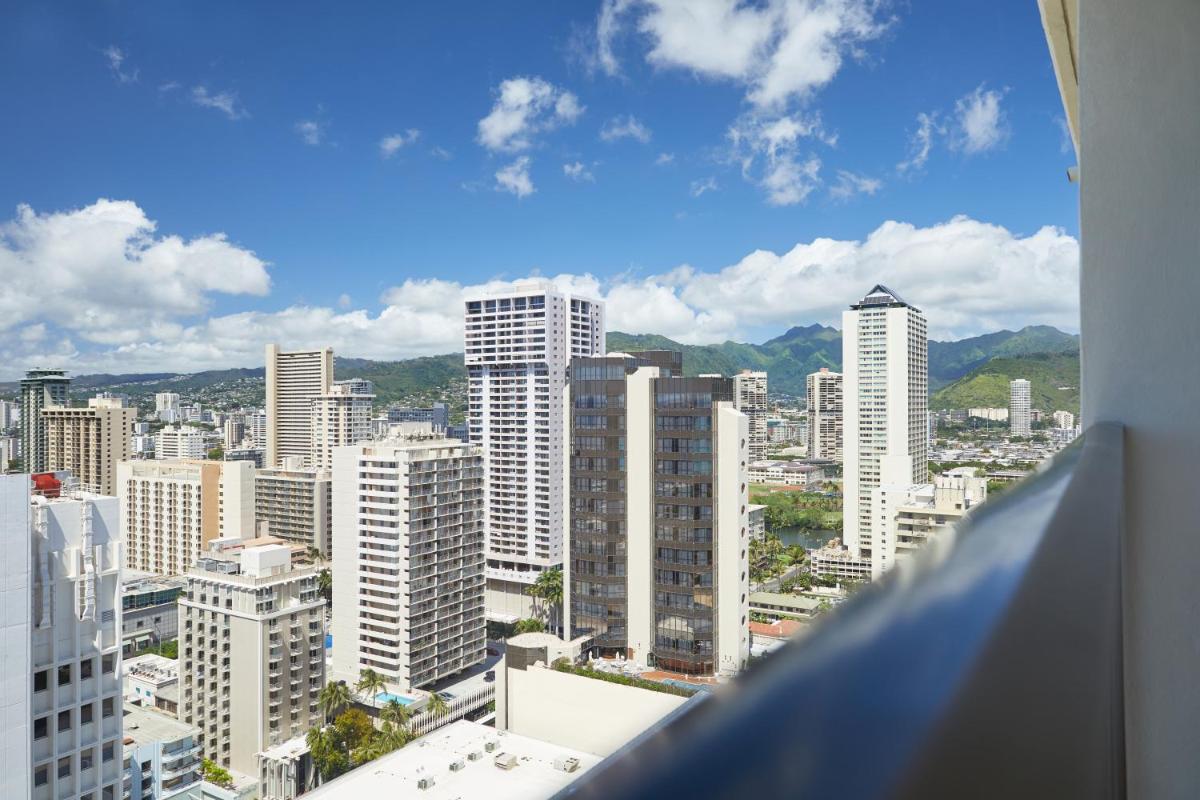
pixel 171 509
pixel 1064 420
pixel 800 474
pixel 166 407
pixel 40 389
pixel 750 397
pixel 756 516
pixel 255 455
pixel 293 381
pixel 408 560
pixel 234 431
pixel 518 344
pixel 825 409
pixel 251 652
pixel 148 612
pixel 160 754
pixel 438 415
pixel 909 516
pixel 340 416
pixel 1020 411
pixel 886 395
pixel 89 442
pixel 657 566
pixel 181 441
pixel 989 414
pixel 10 415
pixel 295 505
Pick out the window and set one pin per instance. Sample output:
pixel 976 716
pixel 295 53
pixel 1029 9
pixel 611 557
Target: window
pixel 41 680
pixel 40 727
pixel 85 669
pixel 64 720
pixel 108 663
pixel 64 767
pixel 64 675
pixel 85 760
pixel 107 707
pixel 85 714
pixel 40 776
pixel 107 752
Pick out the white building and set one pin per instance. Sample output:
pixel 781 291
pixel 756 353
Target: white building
pixel 1020 408
pixel 8 451
pixel 161 759
pixel 61 692
pixel 750 397
pixel 408 582
pixel 825 415
pixel 144 677
pixel 908 516
pixel 89 442
pixel 786 473
pixel 989 414
pixel 340 416
pixel 294 380
pixel 233 431
pixel 166 407
pixel 886 394
pixel 181 441
pixel 1064 420
pixel 172 509
pixel 251 652
pixel 295 505
pixel 10 415
pixel 517 347
pixel 256 429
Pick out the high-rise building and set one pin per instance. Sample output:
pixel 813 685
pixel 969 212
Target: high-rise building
pixel 659 526
pixel 90 442
pixel 438 415
pixel 885 377
pixel 172 509
pixel 339 416
pixel 256 429
pixel 750 398
pixel 234 431
pixel 518 345
pixel 251 652
pixel 40 389
pixel 408 560
pixel 294 380
pixel 62 641
pixel 825 415
pixel 1020 408
pixel 181 441
pixel 10 415
pixel 1064 420
pixel 295 505
pixel 166 407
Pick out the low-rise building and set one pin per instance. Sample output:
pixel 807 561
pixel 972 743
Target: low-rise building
pixel 149 615
pixel 144 678
pixel 758 520
pixel 286 771
pixel 784 605
pixel 255 455
pixel 162 757
pixel 786 473
pixel 834 561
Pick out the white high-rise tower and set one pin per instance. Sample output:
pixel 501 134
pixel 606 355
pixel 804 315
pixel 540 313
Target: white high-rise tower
pixel 1020 408
pixel 885 377
pixel 517 347
pixel 750 398
pixel 294 380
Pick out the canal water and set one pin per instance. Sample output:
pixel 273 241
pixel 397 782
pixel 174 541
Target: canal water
pixel 809 540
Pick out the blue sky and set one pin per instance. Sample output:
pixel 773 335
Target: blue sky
pixel 245 142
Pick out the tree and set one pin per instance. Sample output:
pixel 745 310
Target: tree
pixel 328 758
pixel 370 683
pixel 530 625
pixel 169 649
pixel 215 773
pixel 216 454
pixel 352 729
pixel 394 713
pixel 333 698
pixel 314 555
pixel 549 588
pixel 325 586
pixel 436 705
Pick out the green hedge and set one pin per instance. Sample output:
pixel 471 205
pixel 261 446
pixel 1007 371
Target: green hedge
pixel 562 665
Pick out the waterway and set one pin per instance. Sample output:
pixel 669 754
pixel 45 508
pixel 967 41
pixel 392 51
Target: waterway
pixel 809 540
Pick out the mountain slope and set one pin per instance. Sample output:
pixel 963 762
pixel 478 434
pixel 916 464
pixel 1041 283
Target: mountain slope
pixel 1054 379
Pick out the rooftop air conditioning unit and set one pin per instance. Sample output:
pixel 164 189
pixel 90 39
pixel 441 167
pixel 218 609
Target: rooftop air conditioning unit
pixel 455 766
pixel 568 764
pixel 506 761
pixel 489 747
pixel 474 755
pixel 425 783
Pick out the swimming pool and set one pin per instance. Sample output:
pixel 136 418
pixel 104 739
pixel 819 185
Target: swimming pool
pixel 383 698
pixel 690 687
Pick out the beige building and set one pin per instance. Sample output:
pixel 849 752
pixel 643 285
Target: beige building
pixel 89 442
pixel 294 380
pixel 408 560
pixel 750 398
pixel 251 651
pixel 171 510
pixel 825 415
pixel 340 416
pixel 295 505
pixel 908 516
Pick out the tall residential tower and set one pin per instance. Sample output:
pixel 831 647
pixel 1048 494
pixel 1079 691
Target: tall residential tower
pixel 294 380
pixel 40 388
pixel 825 415
pixel 1020 408
pixel 750 398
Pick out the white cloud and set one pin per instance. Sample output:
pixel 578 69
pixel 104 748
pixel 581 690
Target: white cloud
pixel 703 185
pixel 524 107
pixel 627 127
pixel 515 178
pixel 311 132
pixel 920 143
pixel 441 153
pixel 849 184
pixel 664 159
pixel 769 152
pixel 344 301
pixel 169 86
pixel 779 50
pixel 390 145
pixel 226 102
pixel 116 60
pixel 578 172
pixel 980 122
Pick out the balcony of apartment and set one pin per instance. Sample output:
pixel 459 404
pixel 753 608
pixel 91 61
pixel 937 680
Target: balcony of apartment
pixel 1047 647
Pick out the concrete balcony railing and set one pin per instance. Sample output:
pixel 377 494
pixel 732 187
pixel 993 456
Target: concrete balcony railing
pixel 990 669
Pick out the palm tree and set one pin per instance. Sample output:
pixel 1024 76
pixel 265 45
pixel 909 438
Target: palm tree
pixel 394 713
pixel 334 697
pixel 325 586
pixel 370 683
pixel 436 705
pixel 393 737
pixel 314 555
pixel 549 587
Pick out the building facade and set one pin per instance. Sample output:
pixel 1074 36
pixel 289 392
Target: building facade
pixel 886 396
pixel 339 416
pixel 181 441
pixel 659 524
pixel 909 516
pixel 40 389
pixel 825 415
pixel 251 652
pixel 172 509
pixel 162 759
pixel 295 505
pixel 294 380
pixel 408 560
pixel 148 612
pixel 1064 420
pixel 437 415
pixel 750 398
pixel 517 347
pixel 1020 408
pixel 90 442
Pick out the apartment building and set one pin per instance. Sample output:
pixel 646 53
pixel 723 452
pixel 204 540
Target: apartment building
pixel 1020 408
pixel 339 416
pixel 161 755
pixel 40 389
pixel 181 441
pixel 233 431
pixel 256 429
pixel 251 651
pixel 294 380
pixel 148 613
pixel 908 516
pixel 62 641
pixel 825 415
pixel 295 504
pixel 885 395
pixel 408 559
pixel 89 442
pixel 659 524
pixel 167 408
pixel 750 398
pixel 10 415
pixel 1064 420
pixel 172 509
pixel 517 347
pixel 438 415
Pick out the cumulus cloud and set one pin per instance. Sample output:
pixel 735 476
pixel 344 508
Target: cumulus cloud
pixel 116 296
pixel 578 172
pixel 311 131
pixel 626 127
pixel 523 108
pixel 116 60
pixel 226 102
pixel 390 145
pixel 981 123
pixel 771 154
pixel 514 178
pixel 849 184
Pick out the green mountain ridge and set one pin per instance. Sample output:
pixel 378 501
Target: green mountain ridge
pixel 1053 377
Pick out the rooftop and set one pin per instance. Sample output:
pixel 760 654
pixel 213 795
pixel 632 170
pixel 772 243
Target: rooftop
pixel 791 601
pixel 143 726
pixel 533 773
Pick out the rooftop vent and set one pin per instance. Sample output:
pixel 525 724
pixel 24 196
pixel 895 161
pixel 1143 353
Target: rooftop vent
pixel 455 766
pixel 506 761
pixel 425 783
pixel 568 764
pixel 474 755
